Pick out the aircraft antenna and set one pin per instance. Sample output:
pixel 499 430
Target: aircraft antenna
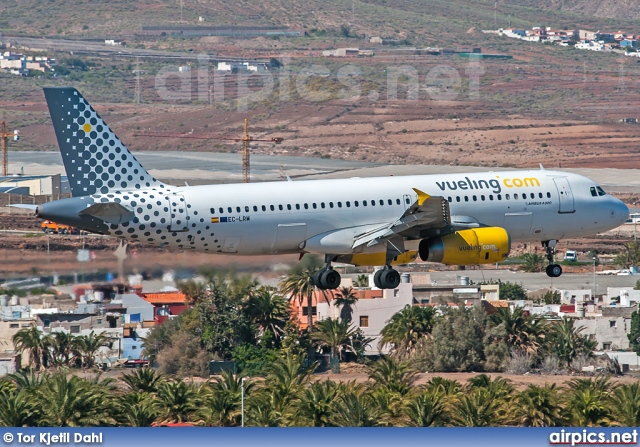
pixel 4 135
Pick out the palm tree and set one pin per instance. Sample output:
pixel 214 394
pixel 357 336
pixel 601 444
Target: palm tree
pixel 588 402
pixel 499 388
pixel 335 334
pixel 524 334
pixel 538 407
pixel 73 402
pixel 356 409
pixel 477 408
pixel 88 345
pixel 137 409
pixel 626 404
pixel 407 328
pixel 268 311
pixel 532 263
pixel 32 340
pixel 146 380
pixel 397 377
pixel 62 347
pixel 28 379
pixel 300 284
pixel 427 409
pixel 177 401
pixel 361 281
pixel 316 404
pixel 567 342
pixel 222 400
pixel 346 298
pixel 450 388
pixel 17 409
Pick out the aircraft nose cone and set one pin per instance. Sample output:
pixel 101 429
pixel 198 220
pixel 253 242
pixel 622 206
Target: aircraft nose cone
pixel 619 211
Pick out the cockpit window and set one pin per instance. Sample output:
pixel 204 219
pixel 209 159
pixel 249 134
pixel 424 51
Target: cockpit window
pixel 600 191
pixel 594 193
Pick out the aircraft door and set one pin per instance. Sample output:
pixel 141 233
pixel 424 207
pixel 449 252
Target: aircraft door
pixel 565 194
pixel 178 208
pixel 289 237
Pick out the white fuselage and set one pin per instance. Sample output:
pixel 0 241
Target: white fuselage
pixel 297 217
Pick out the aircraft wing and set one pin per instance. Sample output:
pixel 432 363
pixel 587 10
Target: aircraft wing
pixel 425 213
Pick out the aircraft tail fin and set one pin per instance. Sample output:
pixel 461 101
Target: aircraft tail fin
pixel 95 159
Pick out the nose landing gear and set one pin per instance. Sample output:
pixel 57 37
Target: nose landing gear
pixel 553 270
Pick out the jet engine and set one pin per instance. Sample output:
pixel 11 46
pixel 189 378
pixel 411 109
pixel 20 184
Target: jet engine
pixel 467 247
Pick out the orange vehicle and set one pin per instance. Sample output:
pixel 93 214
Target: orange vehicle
pixel 56 228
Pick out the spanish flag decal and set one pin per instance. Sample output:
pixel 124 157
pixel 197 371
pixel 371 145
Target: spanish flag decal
pixel 215 219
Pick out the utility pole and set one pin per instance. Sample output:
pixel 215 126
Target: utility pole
pixel 4 136
pixel 138 94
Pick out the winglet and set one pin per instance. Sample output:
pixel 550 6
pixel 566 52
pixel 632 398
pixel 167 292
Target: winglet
pixel 422 196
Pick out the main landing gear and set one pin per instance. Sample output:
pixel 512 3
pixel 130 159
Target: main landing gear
pixel 387 278
pixel 553 270
pixel 327 278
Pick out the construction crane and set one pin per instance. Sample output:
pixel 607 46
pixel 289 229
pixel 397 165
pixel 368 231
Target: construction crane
pixel 246 140
pixel 4 135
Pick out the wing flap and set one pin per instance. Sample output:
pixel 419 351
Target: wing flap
pixel 111 212
pixel 425 213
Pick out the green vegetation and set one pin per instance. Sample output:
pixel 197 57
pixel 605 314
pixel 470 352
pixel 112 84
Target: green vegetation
pixel 289 397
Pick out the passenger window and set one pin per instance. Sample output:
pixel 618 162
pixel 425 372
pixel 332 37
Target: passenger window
pixel 491 197
pixel 407 201
pixel 273 208
pixel 355 203
pixel 306 206
pixel 264 208
pixel 322 205
pixel 475 198
pixel 499 196
pixel 515 196
pixel 221 210
pixel 297 206
pixel 381 202
pixel 364 203
pixel 458 199
pixel 339 204
pixel 482 198
pixel 230 209
pixel 533 196
pixel 390 202
pixel 450 199
pixel 315 206
pixel 213 210
pixel 398 201
pixel 548 195
pixel 373 203
pixel 540 195
pixel 280 207
pixel 330 204
pixel 289 206
pixel 466 198
pixel 506 197
pixel 255 208
pixel 237 209
pixel 348 204
pixel 246 209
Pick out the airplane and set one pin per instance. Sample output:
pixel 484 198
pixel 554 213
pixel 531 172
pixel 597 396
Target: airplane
pixel 454 219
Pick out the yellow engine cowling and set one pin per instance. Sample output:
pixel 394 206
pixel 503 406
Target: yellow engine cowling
pixel 467 247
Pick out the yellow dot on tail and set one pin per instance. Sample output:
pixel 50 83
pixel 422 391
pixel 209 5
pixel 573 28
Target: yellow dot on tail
pixel 86 128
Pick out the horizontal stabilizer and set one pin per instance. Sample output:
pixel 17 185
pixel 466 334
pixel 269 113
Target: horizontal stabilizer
pixel 110 212
pixel 25 206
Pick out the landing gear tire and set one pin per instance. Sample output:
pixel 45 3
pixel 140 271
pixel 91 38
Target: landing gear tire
pixel 387 278
pixel 326 279
pixel 553 270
